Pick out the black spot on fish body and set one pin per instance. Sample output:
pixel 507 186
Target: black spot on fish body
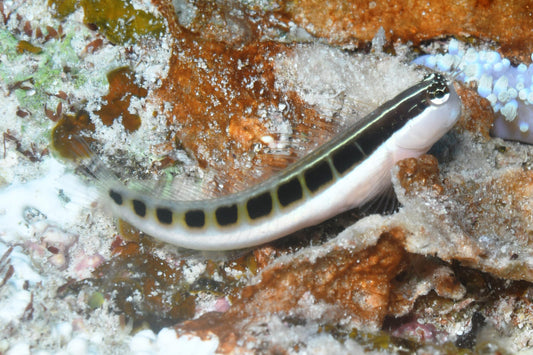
pixel 259 206
pixel 318 175
pixel 346 157
pixel 289 192
pixel 139 208
pixel 226 215
pixel 195 218
pixel 115 196
pixel 370 141
pixel 164 215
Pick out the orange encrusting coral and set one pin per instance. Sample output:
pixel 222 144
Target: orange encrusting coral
pixel 422 171
pixel 361 286
pixel 221 82
pixel 355 284
pixel 223 95
pixel 498 208
pixel 508 23
pixel 477 114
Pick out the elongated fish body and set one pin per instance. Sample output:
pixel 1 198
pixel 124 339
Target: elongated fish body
pixel 344 173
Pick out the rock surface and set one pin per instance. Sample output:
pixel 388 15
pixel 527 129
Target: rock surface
pixel 224 86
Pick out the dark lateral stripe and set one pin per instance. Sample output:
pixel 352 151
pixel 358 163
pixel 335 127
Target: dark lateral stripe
pixel 392 116
pixel 115 196
pixel 164 215
pixel 372 140
pixel 259 206
pixel 195 218
pixel 290 192
pixel 139 208
pixel 226 215
pixel 318 175
pixel 346 157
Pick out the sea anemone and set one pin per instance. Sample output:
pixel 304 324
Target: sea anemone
pixel 508 88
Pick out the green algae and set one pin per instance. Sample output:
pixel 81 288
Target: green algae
pixel 8 45
pixel 96 300
pixel 44 66
pixel 118 20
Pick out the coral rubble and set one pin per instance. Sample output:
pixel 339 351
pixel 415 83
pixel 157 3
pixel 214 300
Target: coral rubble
pixel 236 89
pixel 344 22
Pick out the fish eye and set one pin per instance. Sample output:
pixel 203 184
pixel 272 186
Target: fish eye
pixel 438 92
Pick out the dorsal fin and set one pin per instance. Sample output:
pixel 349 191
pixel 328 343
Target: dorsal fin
pixel 277 151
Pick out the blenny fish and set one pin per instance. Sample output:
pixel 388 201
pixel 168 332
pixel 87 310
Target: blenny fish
pixel 344 173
